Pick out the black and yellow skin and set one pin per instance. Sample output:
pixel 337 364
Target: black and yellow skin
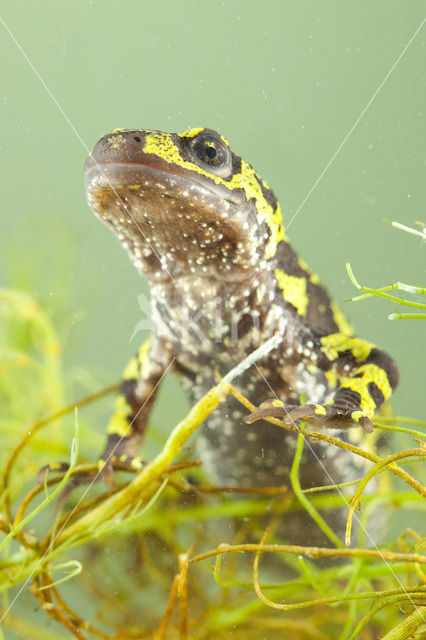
pixel 207 232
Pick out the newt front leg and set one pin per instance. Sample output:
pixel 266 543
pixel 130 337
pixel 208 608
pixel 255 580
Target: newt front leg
pixel 133 405
pixel 365 377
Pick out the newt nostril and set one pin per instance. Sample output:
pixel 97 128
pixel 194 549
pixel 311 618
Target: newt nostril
pixel 137 139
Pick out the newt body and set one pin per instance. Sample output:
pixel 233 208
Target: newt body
pixel 207 232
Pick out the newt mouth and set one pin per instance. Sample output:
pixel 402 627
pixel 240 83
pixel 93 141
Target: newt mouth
pixel 123 178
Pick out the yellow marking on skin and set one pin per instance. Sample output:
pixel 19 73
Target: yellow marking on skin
pixel 319 410
pixel 371 373
pixel 275 225
pixel 191 133
pixel 131 372
pixel 162 145
pixel 116 141
pixel 335 343
pixel 101 464
pixel 117 130
pixel 119 422
pixel 277 403
pixel 55 466
pixel 313 277
pixel 294 290
pixel 341 320
pixel 119 187
pixel 138 366
pixel 143 358
pixel 332 379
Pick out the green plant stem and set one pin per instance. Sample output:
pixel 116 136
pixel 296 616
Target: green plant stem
pixel 407 627
pixel 91 524
pixel 385 602
pixel 49 497
pixel 407 316
pixel 366 479
pixel 381 292
pixel 294 478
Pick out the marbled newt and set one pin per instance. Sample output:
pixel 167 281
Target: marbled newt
pixel 207 232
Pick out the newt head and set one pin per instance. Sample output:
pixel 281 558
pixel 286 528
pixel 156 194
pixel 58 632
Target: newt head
pixel 183 203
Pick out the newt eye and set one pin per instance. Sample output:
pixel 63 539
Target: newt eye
pixel 211 153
